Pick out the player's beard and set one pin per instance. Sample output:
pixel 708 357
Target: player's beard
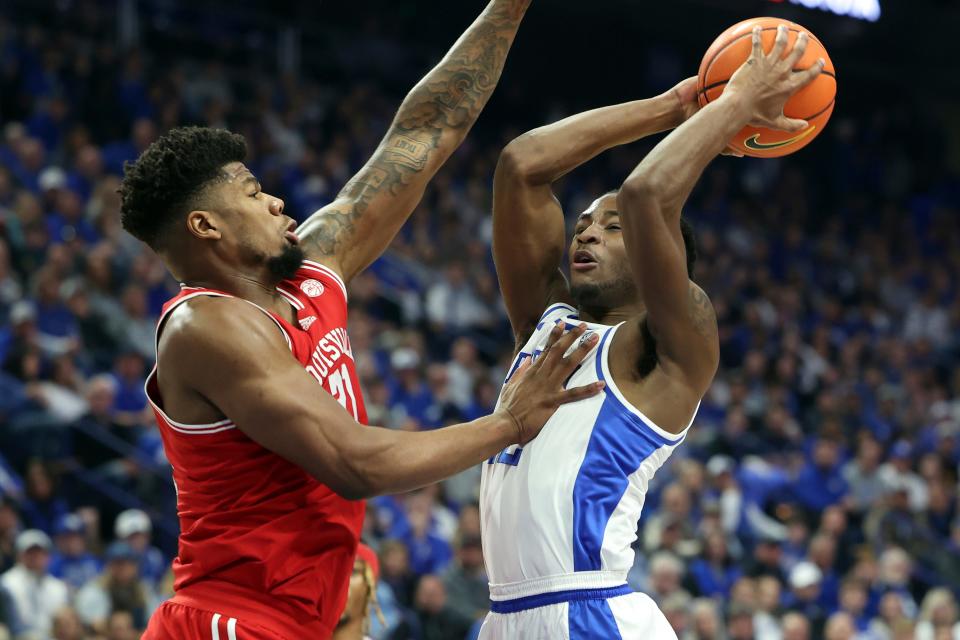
pixel 599 297
pixel 285 265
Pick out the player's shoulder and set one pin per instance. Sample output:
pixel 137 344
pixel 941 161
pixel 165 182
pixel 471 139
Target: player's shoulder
pixel 208 323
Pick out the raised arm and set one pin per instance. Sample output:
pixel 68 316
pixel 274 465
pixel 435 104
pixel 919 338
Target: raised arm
pixel 529 235
pixel 270 397
pixel 353 230
pixel 679 314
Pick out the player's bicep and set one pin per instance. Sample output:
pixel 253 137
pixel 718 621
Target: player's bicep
pixel 528 244
pixel 258 385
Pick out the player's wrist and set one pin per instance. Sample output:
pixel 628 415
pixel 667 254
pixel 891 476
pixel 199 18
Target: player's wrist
pixel 510 426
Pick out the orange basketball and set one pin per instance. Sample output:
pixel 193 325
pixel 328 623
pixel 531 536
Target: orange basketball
pixel 813 103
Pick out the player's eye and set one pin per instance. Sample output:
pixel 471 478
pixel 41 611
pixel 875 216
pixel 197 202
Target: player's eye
pixel 254 194
pixel 613 227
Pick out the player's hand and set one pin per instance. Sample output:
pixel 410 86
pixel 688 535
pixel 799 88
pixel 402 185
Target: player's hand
pixel 766 81
pixel 688 105
pixel 536 389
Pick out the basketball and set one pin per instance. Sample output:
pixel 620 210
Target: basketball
pixel 814 103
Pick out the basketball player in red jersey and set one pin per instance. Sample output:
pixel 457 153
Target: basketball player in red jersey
pixel 255 390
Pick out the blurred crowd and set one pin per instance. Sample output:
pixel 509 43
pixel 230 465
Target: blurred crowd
pixel 816 496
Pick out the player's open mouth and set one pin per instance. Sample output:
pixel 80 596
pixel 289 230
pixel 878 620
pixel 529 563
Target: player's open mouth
pixel 290 235
pixel 583 261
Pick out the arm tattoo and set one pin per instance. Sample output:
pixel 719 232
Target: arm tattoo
pixel 701 313
pixel 432 121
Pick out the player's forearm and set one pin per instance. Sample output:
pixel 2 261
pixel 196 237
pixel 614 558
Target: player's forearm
pixel 545 154
pixel 448 100
pixel 669 172
pixel 387 461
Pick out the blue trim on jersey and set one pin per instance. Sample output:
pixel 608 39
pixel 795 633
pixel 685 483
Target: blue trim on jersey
pixel 551 309
pixel 612 397
pixel 556 597
pixel 592 619
pixel 618 445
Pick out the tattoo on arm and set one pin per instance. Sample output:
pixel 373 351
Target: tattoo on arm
pixel 701 313
pixel 430 124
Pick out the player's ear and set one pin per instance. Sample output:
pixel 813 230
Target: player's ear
pixel 203 225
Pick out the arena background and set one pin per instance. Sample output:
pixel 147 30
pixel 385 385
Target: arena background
pixel 821 473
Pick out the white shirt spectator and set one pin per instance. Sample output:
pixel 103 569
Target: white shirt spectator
pixel 36 594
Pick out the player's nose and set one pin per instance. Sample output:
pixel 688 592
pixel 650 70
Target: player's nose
pixel 275 206
pixel 589 234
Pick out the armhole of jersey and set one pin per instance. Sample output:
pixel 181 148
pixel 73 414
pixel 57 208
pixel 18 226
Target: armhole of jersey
pixel 613 391
pixel 321 269
pixel 196 429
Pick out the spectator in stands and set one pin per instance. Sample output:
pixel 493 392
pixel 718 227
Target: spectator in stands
pixel 429 552
pixel 740 623
pixel 820 483
pixel 131 400
pixel 798 627
pixel 35 593
pixel 133 526
pixel 434 619
pixel 73 563
pixel 938 616
pixel 766 617
pixel 67 625
pixel 95 434
pixel 853 601
pixel 706 620
pixel 120 588
pixel 120 626
pixel 43 507
pixel 666 574
pixel 892 618
pixel 396 573
pixel 840 627
pixel 804 598
pixel 862 475
pixel 767 560
pixel 676 609
pixel 715 573
pixel 466 580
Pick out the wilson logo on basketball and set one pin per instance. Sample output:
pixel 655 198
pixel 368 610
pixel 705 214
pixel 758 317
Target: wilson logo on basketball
pixel 312 288
pixel 753 142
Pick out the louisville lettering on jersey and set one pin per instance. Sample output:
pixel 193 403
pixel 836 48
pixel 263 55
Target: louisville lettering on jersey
pixel 328 351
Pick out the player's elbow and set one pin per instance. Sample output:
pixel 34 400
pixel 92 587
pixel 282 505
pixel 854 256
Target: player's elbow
pixel 638 193
pixel 518 159
pixel 350 486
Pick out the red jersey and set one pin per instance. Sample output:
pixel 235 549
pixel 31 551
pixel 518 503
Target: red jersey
pixel 258 532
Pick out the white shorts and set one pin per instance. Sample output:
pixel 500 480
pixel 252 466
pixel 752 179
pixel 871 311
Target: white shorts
pixel 632 616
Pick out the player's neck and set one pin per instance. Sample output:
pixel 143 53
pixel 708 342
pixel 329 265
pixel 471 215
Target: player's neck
pixel 610 316
pixel 260 289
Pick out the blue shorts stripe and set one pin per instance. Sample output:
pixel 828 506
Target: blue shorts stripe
pixel 556 597
pixel 591 620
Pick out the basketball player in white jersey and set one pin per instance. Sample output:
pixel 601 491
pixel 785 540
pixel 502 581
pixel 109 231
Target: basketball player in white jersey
pixel 559 514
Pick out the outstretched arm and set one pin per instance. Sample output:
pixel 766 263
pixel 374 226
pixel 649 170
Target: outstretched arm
pixel 353 230
pixel 528 224
pixel 679 314
pixel 258 385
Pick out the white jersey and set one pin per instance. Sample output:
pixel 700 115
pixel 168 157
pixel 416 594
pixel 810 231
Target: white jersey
pixel 569 501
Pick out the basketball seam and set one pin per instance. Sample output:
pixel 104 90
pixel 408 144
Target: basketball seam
pixel 706 70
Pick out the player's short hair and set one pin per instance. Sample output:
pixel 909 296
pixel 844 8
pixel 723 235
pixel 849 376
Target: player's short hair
pixel 686 231
pixel 168 178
